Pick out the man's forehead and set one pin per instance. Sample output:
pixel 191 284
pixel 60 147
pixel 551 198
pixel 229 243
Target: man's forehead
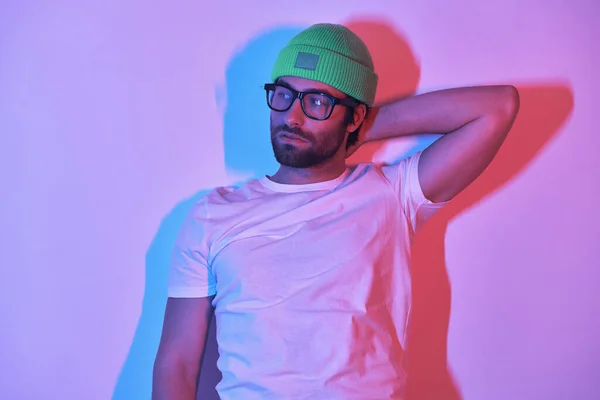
pixel 303 84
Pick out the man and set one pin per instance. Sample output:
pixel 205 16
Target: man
pixel 307 270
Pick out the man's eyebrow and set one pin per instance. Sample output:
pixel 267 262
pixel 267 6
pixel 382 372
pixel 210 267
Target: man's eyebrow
pixel 282 82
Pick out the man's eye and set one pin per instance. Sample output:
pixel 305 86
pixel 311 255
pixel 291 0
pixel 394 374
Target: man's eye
pixel 319 102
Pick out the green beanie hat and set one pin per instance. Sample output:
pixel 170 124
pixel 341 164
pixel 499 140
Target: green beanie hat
pixel 331 54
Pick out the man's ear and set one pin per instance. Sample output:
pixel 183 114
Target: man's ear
pixel 360 113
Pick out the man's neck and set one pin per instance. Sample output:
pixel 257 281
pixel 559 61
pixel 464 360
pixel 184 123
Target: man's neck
pixel 303 176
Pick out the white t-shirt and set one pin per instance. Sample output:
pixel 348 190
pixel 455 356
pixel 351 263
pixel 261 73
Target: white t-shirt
pixel 311 282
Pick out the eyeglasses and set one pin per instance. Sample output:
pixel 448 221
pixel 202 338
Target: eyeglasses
pixel 315 105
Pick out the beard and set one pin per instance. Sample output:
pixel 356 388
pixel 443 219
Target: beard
pixel 318 149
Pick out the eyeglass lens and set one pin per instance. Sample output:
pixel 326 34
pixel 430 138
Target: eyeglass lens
pixel 315 105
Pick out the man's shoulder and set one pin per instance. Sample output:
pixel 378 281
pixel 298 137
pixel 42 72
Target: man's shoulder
pixel 217 208
pixel 227 196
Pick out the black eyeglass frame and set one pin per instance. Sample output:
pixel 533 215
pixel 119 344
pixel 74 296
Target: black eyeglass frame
pixel 349 102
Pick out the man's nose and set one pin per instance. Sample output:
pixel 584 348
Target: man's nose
pixel 295 116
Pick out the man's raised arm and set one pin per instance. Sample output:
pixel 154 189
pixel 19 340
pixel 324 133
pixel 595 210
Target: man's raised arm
pixel 475 121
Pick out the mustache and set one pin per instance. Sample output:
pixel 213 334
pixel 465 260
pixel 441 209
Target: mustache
pixel 293 130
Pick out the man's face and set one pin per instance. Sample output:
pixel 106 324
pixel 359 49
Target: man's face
pixel 301 142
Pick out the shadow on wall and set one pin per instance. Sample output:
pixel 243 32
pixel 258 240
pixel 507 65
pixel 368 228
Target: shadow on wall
pixel 135 379
pixel 544 109
pixel 246 132
pixel 248 153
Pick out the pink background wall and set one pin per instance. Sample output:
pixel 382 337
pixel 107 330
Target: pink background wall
pixel 116 115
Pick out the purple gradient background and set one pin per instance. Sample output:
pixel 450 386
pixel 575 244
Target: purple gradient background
pixel 114 118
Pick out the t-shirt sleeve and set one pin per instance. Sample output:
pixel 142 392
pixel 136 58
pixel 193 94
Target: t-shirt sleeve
pixel 405 177
pixel 190 274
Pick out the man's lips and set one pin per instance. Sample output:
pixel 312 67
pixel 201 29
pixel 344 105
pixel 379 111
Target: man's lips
pixel 293 136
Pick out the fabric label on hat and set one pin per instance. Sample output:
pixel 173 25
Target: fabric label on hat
pixel 307 61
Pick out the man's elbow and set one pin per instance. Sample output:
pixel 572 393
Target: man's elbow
pixel 509 102
pixel 503 109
